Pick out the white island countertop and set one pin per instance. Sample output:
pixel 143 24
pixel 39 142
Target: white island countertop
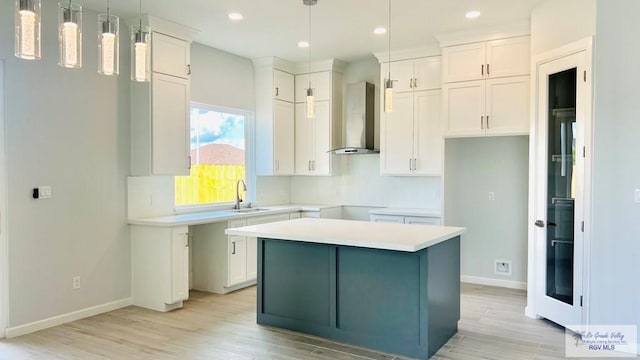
pixel 385 236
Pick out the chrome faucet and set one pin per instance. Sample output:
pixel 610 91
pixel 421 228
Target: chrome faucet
pixel 238 199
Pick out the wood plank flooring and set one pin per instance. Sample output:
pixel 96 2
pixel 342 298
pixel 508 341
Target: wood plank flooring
pixel 492 326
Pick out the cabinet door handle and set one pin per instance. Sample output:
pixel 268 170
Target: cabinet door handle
pixel 233 252
pixel 188 69
pixel 487 122
pixel 277 91
pixel 482 69
pixel 482 122
pixel 410 164
pixel 415 83
pixel 313 165
pixel 411 83
pixel 189 162
pixel 488 72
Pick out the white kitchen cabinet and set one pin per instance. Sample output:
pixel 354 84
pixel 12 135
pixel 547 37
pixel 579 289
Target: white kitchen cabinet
pixel 222 263
pixel 323 213
pixel 411 135
pixel 160 266
pixel 274 91
pixel 414 74
pixel 237 248
pixel 160 111
pixel 316 136
pixel 486 107
pixel 320 82
pixel 283 86
pixel 313 140
pixel 399 219
pixel 170 55
pixel 486 60
pixel 283 138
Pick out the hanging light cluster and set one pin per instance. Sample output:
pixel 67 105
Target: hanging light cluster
pixel 28 40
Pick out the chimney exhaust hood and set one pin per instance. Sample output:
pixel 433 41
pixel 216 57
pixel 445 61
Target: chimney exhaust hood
pixel 359 127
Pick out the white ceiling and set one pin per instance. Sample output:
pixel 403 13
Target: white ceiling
pixel 341 29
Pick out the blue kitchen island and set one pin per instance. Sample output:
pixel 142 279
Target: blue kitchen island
pixel 390 287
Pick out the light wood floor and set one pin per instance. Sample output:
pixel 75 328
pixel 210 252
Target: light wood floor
pixel 493 326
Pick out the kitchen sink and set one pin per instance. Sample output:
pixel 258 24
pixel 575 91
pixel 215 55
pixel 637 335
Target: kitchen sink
pixel 250 210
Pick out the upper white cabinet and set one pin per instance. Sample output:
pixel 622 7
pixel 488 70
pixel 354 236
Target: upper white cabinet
pixel 486 88
pixel 283 86
pixel 321 82
pixel 170 56
pixel 160 111
pixel 314 137
pixel 486 60
pixel 274 91
pixel 411 135
pixel 414 75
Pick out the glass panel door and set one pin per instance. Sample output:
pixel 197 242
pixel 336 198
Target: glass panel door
pixel 561 185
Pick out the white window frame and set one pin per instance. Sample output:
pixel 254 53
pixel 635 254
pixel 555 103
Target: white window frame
pixel 249 160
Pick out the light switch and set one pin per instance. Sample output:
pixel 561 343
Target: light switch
pixel 45 192
pixel 637 196
pixel 492 196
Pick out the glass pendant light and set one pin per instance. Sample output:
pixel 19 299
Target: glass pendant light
pixel 140 51
pixel 27 17
pixel 388 86
pixel 108 43
pixel 310 98
pixel 70 34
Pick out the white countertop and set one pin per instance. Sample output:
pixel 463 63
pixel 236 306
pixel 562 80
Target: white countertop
pixel 398 237
pixel 406 212
pixel 208 217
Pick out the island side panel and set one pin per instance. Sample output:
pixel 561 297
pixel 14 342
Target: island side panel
pixel 381 300
pixel 443 292
pixel 295 286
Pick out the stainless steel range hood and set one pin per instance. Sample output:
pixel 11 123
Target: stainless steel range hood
pixel 359 126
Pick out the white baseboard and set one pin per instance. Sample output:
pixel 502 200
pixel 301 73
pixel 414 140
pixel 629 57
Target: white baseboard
pixel 65 318
pixel 494 282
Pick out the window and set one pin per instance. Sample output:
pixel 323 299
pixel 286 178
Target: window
pixel 218 156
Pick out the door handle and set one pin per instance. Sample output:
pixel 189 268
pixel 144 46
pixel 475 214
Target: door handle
pixel 539 223
pixel 233 252
pixel 488 72
pixel 552 224
pixel 415 83
pixel 487 118
pixel 482 69
pixel 188 69
pixel 277 92
pixel 482 122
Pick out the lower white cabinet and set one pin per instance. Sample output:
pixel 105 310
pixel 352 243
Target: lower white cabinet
pixel 160 266
pixel 399 219
pixel 222 263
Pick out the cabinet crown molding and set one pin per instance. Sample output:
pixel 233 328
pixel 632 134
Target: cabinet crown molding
pixel 485 34
pixel 300 68
pixel 166 27
pixel 406 54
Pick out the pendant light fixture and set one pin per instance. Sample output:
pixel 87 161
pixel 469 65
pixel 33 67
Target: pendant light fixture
pixel 310 98
pixel 140 50
pixel 108 43
pixel 388 86
pixel 27 18
pixel 70 34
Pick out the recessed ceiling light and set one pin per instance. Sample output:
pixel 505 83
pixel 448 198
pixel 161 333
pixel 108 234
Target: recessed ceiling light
pixel 380 30
pixel 474 14
pixel 303 44
pixel 235 16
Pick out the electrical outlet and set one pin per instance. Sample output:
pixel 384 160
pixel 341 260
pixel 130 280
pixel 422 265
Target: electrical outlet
pixel 637 196
pixel 76 282
pixel 492 196
pixel 502 267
